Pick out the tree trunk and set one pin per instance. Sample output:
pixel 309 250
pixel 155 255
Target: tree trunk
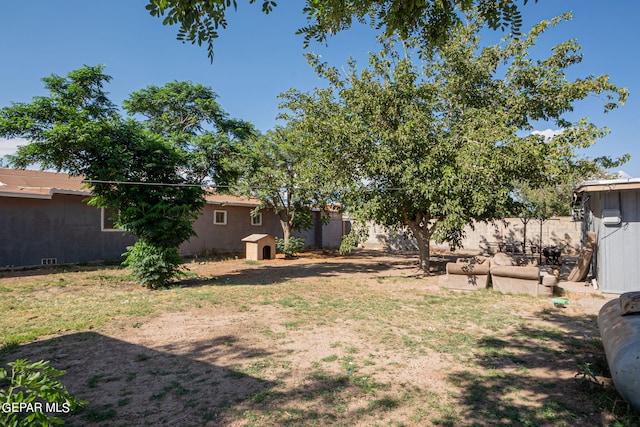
pixel 421 234
pixel 286 222
pixel 286 231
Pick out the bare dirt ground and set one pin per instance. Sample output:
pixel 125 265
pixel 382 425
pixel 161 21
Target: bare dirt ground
pixel 266 359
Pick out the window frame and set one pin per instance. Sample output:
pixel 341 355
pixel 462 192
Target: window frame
pixel 256 219
pixel 215 217
pixel 105 213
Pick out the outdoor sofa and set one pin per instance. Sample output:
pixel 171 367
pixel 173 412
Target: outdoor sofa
pixel 470 274
pixel 508 277
pixel 506 274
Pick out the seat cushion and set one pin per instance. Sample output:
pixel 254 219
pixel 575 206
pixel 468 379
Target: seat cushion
pixel 532 273
pixel 502 259
pixel 467 268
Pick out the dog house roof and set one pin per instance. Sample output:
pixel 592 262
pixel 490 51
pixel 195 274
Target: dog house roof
pixel 256 237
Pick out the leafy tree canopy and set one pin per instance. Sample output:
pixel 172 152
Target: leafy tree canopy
pixel 149 172
pixel 285 172
pixel 430 20
pixel 188 117
pixel 432 141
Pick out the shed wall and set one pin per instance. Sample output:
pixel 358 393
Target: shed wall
pixel 617 259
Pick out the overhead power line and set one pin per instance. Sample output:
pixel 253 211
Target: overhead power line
pixel 166 184
pixel 154 184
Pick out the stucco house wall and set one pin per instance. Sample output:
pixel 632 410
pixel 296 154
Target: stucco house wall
pixel 227 238
pixel 220 238
pixel 325 235
pixel 44 219
pixel 59 230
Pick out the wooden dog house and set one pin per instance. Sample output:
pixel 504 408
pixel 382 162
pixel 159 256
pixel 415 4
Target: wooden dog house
pixel 260 246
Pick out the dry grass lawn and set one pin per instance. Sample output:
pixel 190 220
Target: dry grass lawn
pixel 320 340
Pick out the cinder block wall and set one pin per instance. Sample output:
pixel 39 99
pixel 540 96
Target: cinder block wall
pixel 557 231
pixel 485 237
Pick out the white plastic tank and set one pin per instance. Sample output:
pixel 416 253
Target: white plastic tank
pixel 621 340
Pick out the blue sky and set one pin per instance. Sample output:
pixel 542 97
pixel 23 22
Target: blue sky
pixel 259 56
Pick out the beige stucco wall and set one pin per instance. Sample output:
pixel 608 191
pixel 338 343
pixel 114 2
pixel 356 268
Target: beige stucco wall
pixel 212 238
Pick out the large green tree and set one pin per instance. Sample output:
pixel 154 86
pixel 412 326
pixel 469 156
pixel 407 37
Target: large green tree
pixel 431 20
pixel 432 141
pixel 141 170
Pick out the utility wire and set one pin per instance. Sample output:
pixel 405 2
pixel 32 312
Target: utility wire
pixel 155 184
pixel 164 184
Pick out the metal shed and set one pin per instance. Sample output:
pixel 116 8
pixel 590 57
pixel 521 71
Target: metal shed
pixel 611 209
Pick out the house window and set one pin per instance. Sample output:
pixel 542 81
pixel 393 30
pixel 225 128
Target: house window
pixel 108 222
pixel 256 219
pixel 220 217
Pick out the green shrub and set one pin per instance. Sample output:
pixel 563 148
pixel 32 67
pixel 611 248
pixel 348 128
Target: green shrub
pixel 152 266
pixel 293 246
pixel 31 390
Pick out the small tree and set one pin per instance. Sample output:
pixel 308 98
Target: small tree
pixel 155 202
pixel 282 171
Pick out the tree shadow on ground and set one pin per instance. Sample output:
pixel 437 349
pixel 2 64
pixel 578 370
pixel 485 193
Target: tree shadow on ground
pixel 561 370
pixel 129 384
pixel 276 271
pixel 207 383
